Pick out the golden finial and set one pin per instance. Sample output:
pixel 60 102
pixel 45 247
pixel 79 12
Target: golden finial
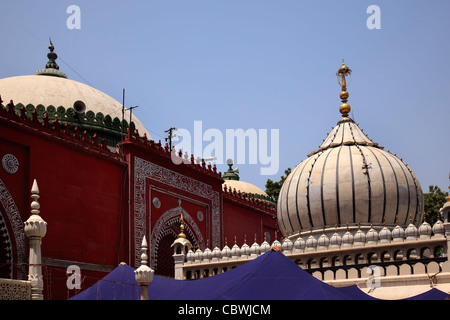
pixel 245 238
pixel 182 235
pixel 344 71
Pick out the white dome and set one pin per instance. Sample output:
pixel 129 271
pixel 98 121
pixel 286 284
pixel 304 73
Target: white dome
pixel 349 179
pixel 58 91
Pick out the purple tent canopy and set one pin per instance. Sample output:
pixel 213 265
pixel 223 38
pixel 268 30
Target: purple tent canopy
pixel 271 276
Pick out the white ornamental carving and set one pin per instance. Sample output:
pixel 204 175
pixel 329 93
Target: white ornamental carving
pixel 10 163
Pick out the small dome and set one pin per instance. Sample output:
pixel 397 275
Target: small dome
pixel 438 229
pixel 245 249
pixel 347 239
pixel 425 230
pixel 276 244
pixel 335 240
pixel 190 257
pixel 243 186
pixel 232 180
pixel 372 236
pixel 255 249
pixel 299 244
pixel 226 252
pixel 411 232
pixel 207 254
pixel 216 253
pixel 198 255
pixel 311 243
pixel 359 237
pixel 323 241
pixel 265 247
pixel 385 235
pixel 235 251
pixel 398 234
pixel 287 245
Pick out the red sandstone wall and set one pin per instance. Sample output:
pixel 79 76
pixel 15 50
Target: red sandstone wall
pixel 81 200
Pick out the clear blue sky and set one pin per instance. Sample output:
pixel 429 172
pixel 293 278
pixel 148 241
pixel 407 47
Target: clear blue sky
pixel 258 64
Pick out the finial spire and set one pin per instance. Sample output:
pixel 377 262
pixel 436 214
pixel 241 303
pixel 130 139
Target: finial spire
pixel 182 235
pixel 51 68
pixel 343 72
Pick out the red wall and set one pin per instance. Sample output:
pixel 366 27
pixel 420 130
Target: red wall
pixel 243 220
pixel 87 198
pixel 80 198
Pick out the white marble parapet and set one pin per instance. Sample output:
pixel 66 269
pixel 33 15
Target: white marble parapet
pixel 339 252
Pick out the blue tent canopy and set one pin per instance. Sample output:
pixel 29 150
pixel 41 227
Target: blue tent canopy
pixel 271 276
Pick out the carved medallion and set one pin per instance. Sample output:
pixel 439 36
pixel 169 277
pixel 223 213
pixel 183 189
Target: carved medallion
pixel 156 202
pixel 10 163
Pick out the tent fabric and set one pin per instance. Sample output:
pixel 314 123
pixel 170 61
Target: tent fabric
pixel 119 284
pixel 271 276
pixel 432 294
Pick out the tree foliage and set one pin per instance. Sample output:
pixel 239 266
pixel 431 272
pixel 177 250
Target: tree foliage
pixel 273 187
pixel 433 201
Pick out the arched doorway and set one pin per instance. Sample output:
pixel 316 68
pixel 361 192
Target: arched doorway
pixel 164 233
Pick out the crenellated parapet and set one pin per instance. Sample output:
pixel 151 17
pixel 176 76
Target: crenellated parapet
pixel 177 157
pixel 256 200
pixel 104 127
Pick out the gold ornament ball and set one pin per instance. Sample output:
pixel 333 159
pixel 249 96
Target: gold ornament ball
pixel 344 108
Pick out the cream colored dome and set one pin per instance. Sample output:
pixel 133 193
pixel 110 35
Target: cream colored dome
pixel 349 179
pixel 58 91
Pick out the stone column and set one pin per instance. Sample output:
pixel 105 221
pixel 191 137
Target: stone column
pixel 35 230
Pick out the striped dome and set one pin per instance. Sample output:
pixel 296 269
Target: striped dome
pixel 349 179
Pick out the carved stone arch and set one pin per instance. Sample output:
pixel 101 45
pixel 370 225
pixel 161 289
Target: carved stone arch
pixel 6 250
pixel 13 222
pixel 166 230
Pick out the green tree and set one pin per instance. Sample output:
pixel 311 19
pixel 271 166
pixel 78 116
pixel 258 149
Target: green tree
pixel 273 187
pixel 433 201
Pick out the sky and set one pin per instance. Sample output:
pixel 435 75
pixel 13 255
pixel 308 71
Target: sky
pixel 256 65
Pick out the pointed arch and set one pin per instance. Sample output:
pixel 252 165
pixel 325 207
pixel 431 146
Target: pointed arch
pixel 164 226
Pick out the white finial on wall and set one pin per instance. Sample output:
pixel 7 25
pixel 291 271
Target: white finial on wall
pixel 35 230
pixel 144 274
